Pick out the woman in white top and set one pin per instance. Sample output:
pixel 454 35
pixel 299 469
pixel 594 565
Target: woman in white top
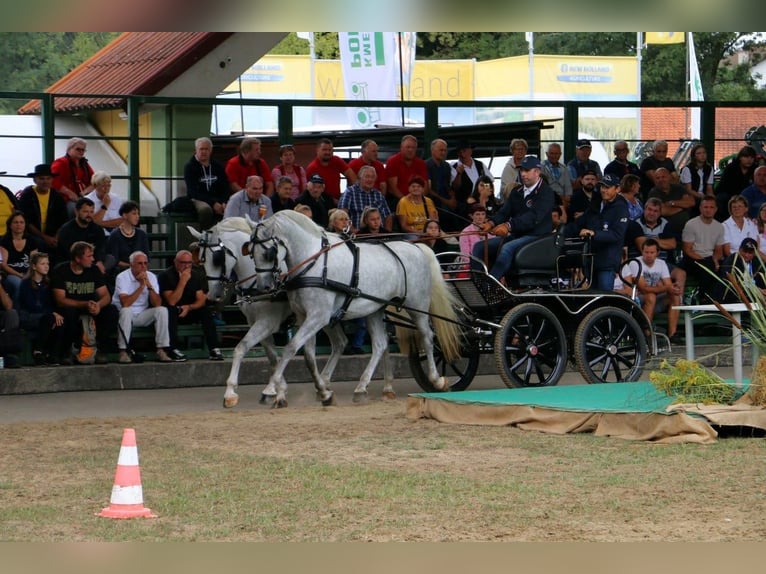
pixel 738 226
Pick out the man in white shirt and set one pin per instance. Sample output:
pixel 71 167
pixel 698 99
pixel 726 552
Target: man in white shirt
pixel 136 295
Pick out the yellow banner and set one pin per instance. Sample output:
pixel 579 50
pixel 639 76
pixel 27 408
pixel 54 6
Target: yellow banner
pixel 664 37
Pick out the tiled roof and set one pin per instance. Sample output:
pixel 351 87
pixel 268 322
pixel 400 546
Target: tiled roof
pixel 135 63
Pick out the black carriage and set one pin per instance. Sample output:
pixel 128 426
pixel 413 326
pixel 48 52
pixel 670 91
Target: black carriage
pixel 544 320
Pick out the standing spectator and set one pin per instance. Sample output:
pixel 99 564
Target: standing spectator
pixel 206 183
pixel 72 173
pixel 137 297
pixel 440 178
pixel 581 164
pixel 128 237
pixel 557 175
pixel 697 175
pixel 369 156
pixel 316 200
pixel 282 198
pixel 45 210
pixel 629 186
pixel 8 204
pixel 413 209
pixel 620 165
pixel 484 194
pixel 250 201
pixel 738 226
pixel 291 170
pixel 605 223
pixel 82 228
pixel 525 216
pixel 247 162
pixel 362 195
pixel 16 249
pixel 185 299
pixel 330 167
pixel 465 172
pixel 510 179
pixel 79 289
pixel 106 205
pixel 651 164
pixel 38 315
pixel 401 167
pixel 735 178
pixel 677 204
pixel 703 239
pixel 755 193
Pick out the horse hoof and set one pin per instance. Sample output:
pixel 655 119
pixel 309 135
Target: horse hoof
pixel 266 399
pixel 230 402
pixel 361 397
pixel 389 396
pixel 279 404
pixel 329 401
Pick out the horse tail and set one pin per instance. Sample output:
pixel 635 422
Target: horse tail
pixel 442 309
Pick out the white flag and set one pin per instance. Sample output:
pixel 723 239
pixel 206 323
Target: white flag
pixel 371 71
pixel 695 87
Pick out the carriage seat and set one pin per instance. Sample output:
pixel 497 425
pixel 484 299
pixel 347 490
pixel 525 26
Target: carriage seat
pixel 534 264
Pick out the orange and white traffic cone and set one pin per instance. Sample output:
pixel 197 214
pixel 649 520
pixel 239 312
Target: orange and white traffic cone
pixel 127 494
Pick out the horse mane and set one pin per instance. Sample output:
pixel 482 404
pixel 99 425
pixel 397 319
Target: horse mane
pixel 302 221
pixel 233 224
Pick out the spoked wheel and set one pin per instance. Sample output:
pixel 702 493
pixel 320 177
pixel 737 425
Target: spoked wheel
pixel 530 347
pixel 609 347
pixel 459 372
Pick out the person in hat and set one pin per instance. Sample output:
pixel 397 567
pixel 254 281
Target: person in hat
pixel 749 268
pixel 582 163
pixel 72 174
pixel 605 223
pixel 317 200
pixel 525 216
pixel 45 209
pixel 8 204
pixel 288 168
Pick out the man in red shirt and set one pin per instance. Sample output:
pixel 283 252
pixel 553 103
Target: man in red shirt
pixel 72 173
pixel 246 163
pixel 370 157
pixel 330 167
pixel 401 167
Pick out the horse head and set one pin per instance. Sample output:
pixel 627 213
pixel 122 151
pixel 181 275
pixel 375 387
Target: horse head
pixel 268 253
pixel 214 256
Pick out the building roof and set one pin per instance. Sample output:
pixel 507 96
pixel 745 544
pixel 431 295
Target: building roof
pixel 135 63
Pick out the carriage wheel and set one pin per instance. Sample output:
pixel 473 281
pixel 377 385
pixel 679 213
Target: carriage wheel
pixel 609 347
pixel 459 372
pixel 530 347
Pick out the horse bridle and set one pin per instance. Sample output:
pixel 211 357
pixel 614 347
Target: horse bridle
pixel 218 253
pixel 270 245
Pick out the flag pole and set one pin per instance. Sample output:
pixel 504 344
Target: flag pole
pixel 401 74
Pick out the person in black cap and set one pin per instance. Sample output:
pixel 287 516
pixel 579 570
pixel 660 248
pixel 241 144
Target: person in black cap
pixel 317 199
pixel 46 212
pixel 582 163
pixel 524 216
pixel 749 268
pixel 605 224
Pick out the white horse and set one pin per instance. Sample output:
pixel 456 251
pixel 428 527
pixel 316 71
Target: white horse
pixel 220 249
pixel 327 281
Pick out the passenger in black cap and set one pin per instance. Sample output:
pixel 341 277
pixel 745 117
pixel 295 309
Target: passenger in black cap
pixel 317 199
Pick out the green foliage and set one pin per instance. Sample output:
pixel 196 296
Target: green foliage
pixel 689 382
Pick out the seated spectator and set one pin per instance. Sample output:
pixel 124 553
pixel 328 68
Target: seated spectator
pixel 38 315
pixel 106 205
pixel 620 165
pixel 8 204
pixel 10 334
pixel 369 156
pixel 583 198
pixel 250 201
pixel 582 164
pixel 434 238
pixel 760 222
pixel 82 228
pixel 282 198
pixel 16 248
pixel 183 295
pixel 413 210
pixel 137 297
pixel 736 176
pixel 127 237
pixel 43 223
pixel 677 205
pixel 247 163
pixel 749 269
pixel 755 193
pixel 629 186
pixel 372 222
pixel 80 289
pixel 652 163
pixel 484 194
pixel 472 233
pixel 702 240
pixel 557 217
pixel 511 177
pixel 362 195
pixel 738 226
pixel 73 175
pixel 206 183
pixel 317 200
pixel 697 175
pixel 439 189
pixel 304 209
pixel 656 291
pixel 401 168
pixel 291 170
pixel 330 167
pixel 556 173
pixel 339 222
